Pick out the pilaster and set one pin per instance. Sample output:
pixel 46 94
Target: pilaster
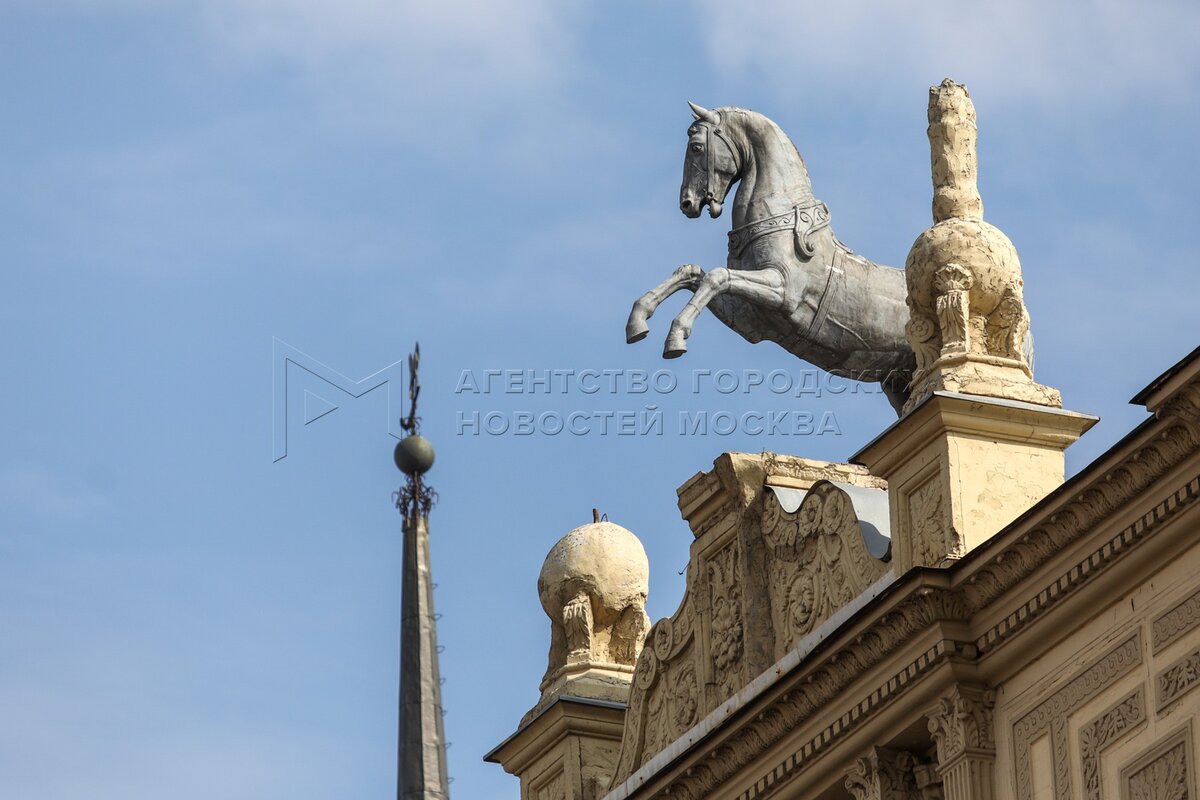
pixel 962 727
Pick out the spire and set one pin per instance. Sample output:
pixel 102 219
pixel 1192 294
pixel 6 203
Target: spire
pixel 422 740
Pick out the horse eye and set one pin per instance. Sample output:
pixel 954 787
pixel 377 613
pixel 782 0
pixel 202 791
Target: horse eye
pixel 697 147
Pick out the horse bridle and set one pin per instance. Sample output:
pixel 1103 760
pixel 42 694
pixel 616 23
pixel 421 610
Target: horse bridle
pixel 712 129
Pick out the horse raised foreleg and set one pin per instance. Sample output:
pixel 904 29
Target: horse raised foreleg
pixel 763 287
pixel 686 277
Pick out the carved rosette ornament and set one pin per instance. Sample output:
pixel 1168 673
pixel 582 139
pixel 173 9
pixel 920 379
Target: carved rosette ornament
pixel 962 727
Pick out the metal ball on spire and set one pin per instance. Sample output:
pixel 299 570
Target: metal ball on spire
pixel 414 455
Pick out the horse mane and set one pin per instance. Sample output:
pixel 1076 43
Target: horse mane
pixel 749 114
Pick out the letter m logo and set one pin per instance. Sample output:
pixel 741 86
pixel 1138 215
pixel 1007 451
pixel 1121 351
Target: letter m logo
pixel 293 369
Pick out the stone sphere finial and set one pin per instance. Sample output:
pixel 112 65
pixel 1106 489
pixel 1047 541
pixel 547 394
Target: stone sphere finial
pixel 414 455
pixel 593 587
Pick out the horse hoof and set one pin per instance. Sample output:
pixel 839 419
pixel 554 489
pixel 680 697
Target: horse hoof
pixel 674 349
pixel 636 330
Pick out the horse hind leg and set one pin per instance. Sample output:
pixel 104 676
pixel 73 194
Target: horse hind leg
pixel 686 277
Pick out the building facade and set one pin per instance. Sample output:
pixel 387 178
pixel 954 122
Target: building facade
pixel 834 642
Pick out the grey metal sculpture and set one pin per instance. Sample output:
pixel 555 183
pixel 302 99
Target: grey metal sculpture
pixel 788 279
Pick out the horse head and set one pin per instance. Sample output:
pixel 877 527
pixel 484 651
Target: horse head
pixel 710 164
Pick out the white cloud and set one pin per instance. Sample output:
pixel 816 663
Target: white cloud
pixel 1073 53
pixel 431 51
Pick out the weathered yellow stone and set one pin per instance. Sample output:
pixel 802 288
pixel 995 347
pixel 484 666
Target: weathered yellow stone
pixel 968 325
pixel 961 467
pixel 566 752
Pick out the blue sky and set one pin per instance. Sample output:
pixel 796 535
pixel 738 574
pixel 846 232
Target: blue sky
pixel 187 181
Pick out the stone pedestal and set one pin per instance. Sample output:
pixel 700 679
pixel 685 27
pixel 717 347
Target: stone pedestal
pixel 567 752
pixel 961 467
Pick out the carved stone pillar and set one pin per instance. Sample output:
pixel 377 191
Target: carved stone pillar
pixel 883 774
pixel 567 752
pixel 961 467
pixel 962 727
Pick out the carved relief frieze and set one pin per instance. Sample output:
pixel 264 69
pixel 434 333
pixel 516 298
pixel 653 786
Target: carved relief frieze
pixel 819 561
pixel 1104 731
pixel 1010 566
pixel 815 561
pixel 797 706
pixel 1166 772
pixel 1183 406
pixel 726 636
pixel 930 535
pixel 1053 714
pixel 1178 679
pixel 1175 623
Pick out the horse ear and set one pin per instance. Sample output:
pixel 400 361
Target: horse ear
pixel 702 113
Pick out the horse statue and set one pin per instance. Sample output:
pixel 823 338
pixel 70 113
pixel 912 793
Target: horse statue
pixel 788 278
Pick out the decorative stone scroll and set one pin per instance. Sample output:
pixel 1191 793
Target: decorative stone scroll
pixel 819 561
pixel 732 624
pixel 754 749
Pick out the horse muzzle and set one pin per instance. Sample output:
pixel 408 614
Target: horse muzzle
pixel 690 207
